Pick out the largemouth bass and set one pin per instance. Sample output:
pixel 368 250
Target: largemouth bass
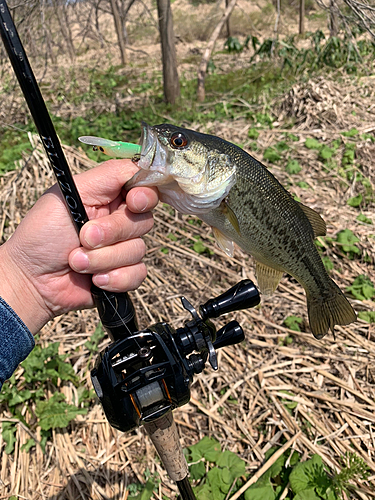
pixel 244 203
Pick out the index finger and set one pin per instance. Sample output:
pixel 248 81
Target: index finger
pixel 102 184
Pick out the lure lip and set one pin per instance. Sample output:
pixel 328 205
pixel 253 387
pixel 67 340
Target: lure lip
pixel 91 140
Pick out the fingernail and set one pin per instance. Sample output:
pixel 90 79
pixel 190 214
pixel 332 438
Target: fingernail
pixel 93 235
pixel 80 262
pixel 101 279
pixel 140 201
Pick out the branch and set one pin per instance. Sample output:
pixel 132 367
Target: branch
pixel 209 49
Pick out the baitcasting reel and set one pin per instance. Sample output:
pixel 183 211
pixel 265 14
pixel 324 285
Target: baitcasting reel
pixel 139 378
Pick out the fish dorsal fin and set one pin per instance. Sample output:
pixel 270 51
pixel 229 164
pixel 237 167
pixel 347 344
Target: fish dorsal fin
pixel 224 243
pixel 316 221
pixel 230 215
pixel 268 278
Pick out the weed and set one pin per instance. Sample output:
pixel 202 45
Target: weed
pixel 42 372
pixel 347 241
pixel 362 288
pixel 293 323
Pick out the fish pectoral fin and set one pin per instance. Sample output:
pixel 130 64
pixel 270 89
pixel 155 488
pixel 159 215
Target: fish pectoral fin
pixel 268 278
pixel 224 243
pixel 230 215
pixel 316 221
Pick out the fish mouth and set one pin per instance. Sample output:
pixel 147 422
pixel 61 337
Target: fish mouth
pixel 154 160
pixel 154 155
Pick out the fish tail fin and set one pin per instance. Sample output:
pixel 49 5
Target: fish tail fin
pixel 328 311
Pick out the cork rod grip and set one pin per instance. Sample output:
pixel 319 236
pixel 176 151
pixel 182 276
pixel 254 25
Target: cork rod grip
pixel 163 434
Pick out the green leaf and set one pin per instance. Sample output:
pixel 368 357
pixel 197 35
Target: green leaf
pixel 307 495
pixel 218 487
pixel 93 343
pixel 207 448
pixel 9 435
pixel 197 471
pixel 302 184
pixel 282 146
pixel 326 153
pixel 30 443
pixel 253 133
pixel 328 264
pixel 363 218
pixel 271 155
pixel 293 322
pixel 350 133
pixel 146 493
pixel 203 492
pixel 293 167
pixel 172 237
pixel 234 463
pixel 355 201
pixel 54 412
pixel 308 475
pixel 368 316
pixel 312 143
pixel 288 404
pixel 362 288
pixel 260 492
pixel 347 239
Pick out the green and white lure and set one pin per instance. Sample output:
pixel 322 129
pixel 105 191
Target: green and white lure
pixel 115 149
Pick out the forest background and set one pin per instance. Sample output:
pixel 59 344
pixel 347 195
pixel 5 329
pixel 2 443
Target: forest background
pixel 286 416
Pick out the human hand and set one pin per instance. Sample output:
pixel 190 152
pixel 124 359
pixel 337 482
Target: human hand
pixel 43 270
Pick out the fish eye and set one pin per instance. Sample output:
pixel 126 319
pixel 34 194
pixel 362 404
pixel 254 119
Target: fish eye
pixel 178 140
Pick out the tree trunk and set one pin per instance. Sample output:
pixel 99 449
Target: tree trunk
pixel 168 49
pixel 228 20
pixel 63 21
pixel 209 49
pixel 301 17
pixel 333 20
pixel 119 30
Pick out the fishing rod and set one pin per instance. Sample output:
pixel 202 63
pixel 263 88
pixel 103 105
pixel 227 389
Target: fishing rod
pixel 142 376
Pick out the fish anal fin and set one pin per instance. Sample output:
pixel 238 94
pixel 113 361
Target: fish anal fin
pixel 268 278
pixel 230 215
pixel 224 243
pixel 316 221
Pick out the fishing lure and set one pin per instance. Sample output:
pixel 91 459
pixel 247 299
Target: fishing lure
pixel 115 149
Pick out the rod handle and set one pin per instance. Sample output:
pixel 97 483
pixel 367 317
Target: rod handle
pixel 163 434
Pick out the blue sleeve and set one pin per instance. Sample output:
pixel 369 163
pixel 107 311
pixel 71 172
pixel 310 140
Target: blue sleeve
pixel 16 341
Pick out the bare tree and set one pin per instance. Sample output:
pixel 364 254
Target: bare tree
pixel 209 49
pixel 333 19
pixel 362 14
pixel 63 20
pixel 119 26
pixel 168 49
pixel 301 17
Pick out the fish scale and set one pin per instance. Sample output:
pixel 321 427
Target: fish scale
pixel 244 203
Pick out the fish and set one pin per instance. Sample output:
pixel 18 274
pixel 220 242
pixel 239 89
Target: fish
pixel 244 203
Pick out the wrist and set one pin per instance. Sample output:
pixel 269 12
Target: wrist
pixel 20 294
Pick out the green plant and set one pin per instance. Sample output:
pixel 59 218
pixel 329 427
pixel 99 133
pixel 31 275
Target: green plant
pixel 362 288
pixel 200 247
pixel 293 323
pixel 41 372
pixel 216 472
pixel 347 239
pixel 225 469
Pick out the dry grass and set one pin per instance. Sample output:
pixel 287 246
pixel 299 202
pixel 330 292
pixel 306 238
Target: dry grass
pixel 332 380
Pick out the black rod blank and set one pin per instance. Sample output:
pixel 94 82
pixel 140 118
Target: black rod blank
pixel 117 310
